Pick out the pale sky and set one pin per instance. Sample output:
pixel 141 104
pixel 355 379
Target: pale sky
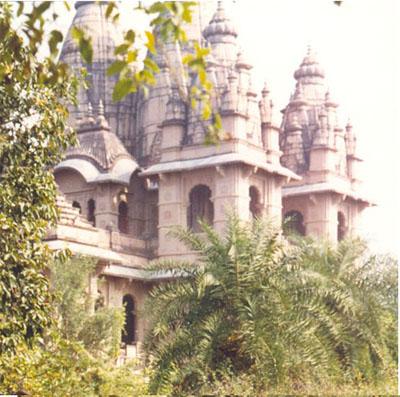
pixel 358 46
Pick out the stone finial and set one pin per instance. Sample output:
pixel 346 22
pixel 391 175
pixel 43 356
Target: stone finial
pixel 265 91
pixel 349 126
pixel 89 119
pixel 351 140
pixel 100 111
pixel 220 25
pixel 322 134
pixel 241 61
pixel 266 105
pixel 101 119
pixel 329 101
pixel 309 68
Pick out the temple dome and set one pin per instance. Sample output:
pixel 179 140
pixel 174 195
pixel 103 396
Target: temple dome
pixel 220 28
pixel 105 37
pixel 309 67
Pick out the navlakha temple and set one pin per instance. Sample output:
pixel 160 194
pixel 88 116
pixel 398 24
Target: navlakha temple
pixel 141 166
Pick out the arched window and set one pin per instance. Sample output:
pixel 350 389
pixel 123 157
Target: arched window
pixel 123 217
pixel 341 226
pixel 294 223
pixel 200 207
pixel 129 331
pixel 91 207
pixel 75 204
pixel 255 206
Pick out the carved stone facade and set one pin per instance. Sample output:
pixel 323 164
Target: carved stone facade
pixel 141 167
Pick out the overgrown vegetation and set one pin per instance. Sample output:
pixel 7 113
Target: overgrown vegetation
pixel 78 356
pixel 33 135
pixel 255 316
pixel 258 314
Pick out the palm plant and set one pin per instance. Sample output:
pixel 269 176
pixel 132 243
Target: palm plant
pixel 255 305
pixel 357 304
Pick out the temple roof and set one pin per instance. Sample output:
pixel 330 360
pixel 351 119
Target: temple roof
pixel 99 156
pixel 220 26
pixel 105 36
pixel 310 67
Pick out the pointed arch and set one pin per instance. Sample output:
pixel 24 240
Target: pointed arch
pixel 123 223
pixel 341 226
pixel 254 204
pixel 76 204
pixel 201 208
pixel 129 331
pixel 91 208
pixel 294 223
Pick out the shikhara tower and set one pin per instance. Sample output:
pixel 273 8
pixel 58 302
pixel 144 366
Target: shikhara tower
pixel 326 202
pixel 142 168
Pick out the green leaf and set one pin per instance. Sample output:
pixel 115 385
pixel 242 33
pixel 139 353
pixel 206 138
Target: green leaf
pixel 110 7
pixel 86 50
pixel 150 42
pixel 116 67
pixel 41 8
pixel 131 56
pixel 77 33
pixel 150 64
pixel 130 36
pixel 56 37
pixel 121 49
pixel 20 8
pixel 67 6
pixel 122 89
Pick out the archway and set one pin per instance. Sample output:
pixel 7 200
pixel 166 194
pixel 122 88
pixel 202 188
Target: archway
pixel 200 208
pixel 123 223
pixel 294 223
pixel 341 226
pixel 254 205
pixel 75 204
pixel 129 331
pixel 91 207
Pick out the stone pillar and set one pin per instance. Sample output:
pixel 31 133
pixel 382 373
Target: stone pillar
pixel 321 219
pixel 107 206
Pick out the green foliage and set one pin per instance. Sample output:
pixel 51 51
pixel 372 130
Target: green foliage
pixel 99 331
pixel 258 309
pixel 33 136
pixel 78 357
pixel 166 26
pixel 64 368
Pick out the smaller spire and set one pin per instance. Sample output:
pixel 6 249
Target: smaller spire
pixel 349 125
pixel 265 91
pixel 351 140
pixel 298 98
pixel 220 25
pixel 265 105
pixel 101 120
pixel 309 67
pixel 89 114
pixel 242 62
pixel 100 111
pixel 322 134
pixel 328 100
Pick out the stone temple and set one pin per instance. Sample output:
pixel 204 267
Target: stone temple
pixel 141 166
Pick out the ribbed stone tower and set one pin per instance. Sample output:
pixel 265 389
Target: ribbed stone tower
pixel 327 201
pixel 142 168
pixel 90 15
